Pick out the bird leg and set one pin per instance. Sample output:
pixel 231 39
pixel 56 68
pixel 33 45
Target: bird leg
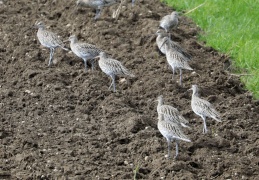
pixel 176 148
pixel 169 147
pixel 85 63
pixel 92 63
pixel 98 13
pixel 173 72
pixel 204 125
pixel 113 83
pixel 51 56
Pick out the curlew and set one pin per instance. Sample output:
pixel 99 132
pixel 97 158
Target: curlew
pixel 48 39
pixel 112 67
pixel 98 5
pixel 169 21
pixel 171 132
pixel 84 50
pixel 176 60
pixel 162 39
pixel 170 113
pixel 203 108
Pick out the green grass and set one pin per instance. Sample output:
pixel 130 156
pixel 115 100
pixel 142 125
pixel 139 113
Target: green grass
pixel 231 27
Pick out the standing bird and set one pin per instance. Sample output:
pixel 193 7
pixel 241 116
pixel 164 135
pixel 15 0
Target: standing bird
pixel 97 5
pixel 112 67
pixel 203 108
pixel 169 21
pixel 48 39
pixel 176 60
pixel 163 39
pixel 171 131
pixel 84 50
pixel 170 113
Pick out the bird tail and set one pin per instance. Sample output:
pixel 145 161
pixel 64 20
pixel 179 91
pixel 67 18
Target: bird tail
pixel 184 125
pixel 217 118
pixel 64 48
pixel 184 139
pixel 215 115
pixel 127 72
pixel 187 66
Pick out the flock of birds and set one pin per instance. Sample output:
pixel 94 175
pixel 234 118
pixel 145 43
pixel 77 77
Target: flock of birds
pixel 170 120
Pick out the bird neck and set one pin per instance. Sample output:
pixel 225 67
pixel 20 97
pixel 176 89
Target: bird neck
pixel 73 41
pixel 195 93
pixel 41 28
pixel 160 117
pixel 160 102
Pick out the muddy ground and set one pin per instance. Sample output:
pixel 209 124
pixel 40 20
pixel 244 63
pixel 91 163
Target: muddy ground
pixel 62 123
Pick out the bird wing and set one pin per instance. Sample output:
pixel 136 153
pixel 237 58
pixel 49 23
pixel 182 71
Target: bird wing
pixel 116 67
pixel 205 108
pixel 172 131
pixel 86 48
pixel 175 59
pixel 53 38
pixel 173 115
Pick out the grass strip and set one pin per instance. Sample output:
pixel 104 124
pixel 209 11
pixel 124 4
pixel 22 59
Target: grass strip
pixel 231 27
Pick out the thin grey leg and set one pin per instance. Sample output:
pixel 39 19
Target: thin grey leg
pixel 169 147
pixel 98 13
pixel 204 125
pixel 176 149
pixel 110 86
pixel 51 56
pixel 92 63
pixel 113 82
pixel 173 72
pixel 85 63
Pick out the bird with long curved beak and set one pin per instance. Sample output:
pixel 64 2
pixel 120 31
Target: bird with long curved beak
pixel 112 67
pixel 48 39
pixel 203 108
pixel 98 5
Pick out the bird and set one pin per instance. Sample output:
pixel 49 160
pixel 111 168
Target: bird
pixel 112 67
pixel 169 21
pixel 176 60
pixel 163 39
pixel 171 131
pixel 170 113
pixel 84 50
pixel 48 39
pixel 97 5
pixel 203 108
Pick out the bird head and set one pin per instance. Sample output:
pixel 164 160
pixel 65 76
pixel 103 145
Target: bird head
pixel 39 24
pixel 72 38
pixel 174 13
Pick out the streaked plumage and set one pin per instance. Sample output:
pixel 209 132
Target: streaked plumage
pixel 170 113
pixel 169 21
pixel 203 108
pixel 97 5
pixel 84 50
pixel 48 39
pixel 112 67
pixel 162 39
pixel 171 131
pixel 176 60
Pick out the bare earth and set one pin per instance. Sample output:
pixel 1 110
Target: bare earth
pixel 62 123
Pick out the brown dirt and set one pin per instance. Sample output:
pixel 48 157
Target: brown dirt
pixel 61 122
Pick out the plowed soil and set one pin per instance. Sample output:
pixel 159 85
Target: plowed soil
pixel 60 122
